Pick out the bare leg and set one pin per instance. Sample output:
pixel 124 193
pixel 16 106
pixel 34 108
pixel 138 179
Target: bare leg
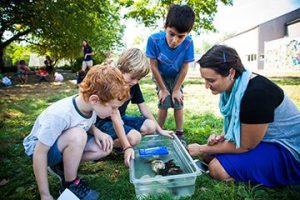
pixel 148 127
pixel 162 116
pixel 217 171
pixel 134 137
pixel 25 78
pixel 178 115
pixel 71 143
pixel 93 152
pixel 83 67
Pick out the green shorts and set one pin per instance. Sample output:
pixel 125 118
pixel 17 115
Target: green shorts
pixel 170 83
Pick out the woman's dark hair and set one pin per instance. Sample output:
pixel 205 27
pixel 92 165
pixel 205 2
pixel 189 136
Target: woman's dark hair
pixel 87 42
pixel 221 59
pixel 48 58
pixel 180 17
pixel 22 62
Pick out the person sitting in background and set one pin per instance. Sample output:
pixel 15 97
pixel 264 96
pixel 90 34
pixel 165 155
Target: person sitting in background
pixel 80 76
pixel 23 71
pixel 49 67
pixel 43 75
pixel 261 140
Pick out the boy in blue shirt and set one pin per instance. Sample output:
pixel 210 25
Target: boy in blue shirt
pixel 170 53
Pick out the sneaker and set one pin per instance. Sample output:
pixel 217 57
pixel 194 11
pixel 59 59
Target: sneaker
pixel 180 136
pixel 118 151
pixel 58 171
pixel 82 191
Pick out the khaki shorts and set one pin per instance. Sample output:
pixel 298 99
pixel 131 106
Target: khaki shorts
pixel 88 64
pixel 170 83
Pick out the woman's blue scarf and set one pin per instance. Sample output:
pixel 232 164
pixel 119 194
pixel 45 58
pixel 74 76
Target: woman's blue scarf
pixel 230 104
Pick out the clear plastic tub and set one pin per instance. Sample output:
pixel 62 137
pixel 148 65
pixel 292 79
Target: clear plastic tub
pixel 146 182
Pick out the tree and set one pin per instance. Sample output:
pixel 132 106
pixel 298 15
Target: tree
pixel 59 26
pixel 149 12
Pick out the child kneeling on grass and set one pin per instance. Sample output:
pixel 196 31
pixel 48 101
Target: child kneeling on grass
pixel 64 135
pixel 128 130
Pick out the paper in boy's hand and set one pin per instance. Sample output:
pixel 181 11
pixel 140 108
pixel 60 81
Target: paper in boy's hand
pixel 67 195
pixel 153 151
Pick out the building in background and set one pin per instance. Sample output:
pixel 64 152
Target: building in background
pixel 272 45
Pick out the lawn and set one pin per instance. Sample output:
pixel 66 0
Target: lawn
pixel 20 105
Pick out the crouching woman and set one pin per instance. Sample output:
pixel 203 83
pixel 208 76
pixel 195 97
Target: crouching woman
pixel 261 140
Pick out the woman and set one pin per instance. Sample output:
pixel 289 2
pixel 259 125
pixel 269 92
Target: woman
pixel 87 55
pixel 261 141
pixel 49 65
pixel 49 68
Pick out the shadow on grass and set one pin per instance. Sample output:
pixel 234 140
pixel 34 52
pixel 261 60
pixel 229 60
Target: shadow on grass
pixel 19 106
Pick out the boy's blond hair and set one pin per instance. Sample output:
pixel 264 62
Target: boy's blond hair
pixel 106 82
pixel 134 62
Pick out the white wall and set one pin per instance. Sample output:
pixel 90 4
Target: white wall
pixel 246 45
pixel 294 30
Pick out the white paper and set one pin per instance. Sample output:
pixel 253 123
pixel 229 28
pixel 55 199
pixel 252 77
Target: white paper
pixel 67 195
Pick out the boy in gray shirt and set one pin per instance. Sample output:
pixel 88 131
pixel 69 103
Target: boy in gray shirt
pixel 59 134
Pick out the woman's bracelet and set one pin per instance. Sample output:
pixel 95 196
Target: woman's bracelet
pixel 129 147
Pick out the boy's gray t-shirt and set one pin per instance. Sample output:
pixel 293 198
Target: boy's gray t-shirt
pixel 52 122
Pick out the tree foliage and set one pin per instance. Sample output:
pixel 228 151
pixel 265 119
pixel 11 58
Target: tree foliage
pixel 59 26
pixel 149 12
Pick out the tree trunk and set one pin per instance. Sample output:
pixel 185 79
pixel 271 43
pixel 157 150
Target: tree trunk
pixel 1 59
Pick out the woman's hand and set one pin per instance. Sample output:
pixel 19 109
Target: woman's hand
pixel 215 139
pixel 195 149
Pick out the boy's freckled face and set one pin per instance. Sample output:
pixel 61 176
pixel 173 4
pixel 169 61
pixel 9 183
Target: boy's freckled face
pixel 105 110
pixel 174 38
pixel 130 80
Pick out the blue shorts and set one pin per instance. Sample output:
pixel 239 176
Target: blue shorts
pixel 55 156
pixel 269 164
pixel 130 122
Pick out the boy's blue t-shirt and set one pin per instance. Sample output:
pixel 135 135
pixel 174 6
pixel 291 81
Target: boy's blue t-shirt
pixel 169 60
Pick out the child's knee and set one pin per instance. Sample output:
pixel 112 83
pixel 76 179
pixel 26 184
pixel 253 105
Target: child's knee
pixel 134 137
pixel 217 171
pixel 101 154
pixel 148 127
pixel 77 136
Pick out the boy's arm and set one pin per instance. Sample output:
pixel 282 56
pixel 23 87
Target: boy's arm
pixel 40 157
pixel 147 114
pixel 156 74
pixel 177 95
pixel 163 93
pixel 119 129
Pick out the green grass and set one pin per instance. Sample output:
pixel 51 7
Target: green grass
pixel 19 107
